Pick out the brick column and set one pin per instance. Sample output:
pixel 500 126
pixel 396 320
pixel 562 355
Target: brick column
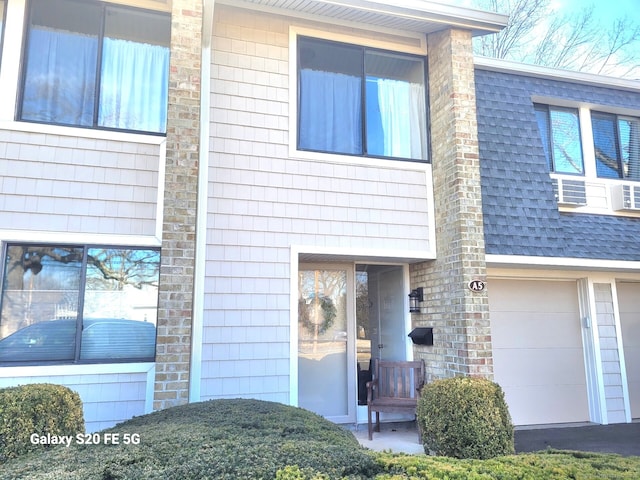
pixel 460 317
pixel 175 307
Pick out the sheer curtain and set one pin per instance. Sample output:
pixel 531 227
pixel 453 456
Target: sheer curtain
pixel 403 118
pixel 60 77
pixel 60 84
pixel 134 86
pixel 330 114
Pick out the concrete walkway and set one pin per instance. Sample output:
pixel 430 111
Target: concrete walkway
pixel 395 437
pixel 622 439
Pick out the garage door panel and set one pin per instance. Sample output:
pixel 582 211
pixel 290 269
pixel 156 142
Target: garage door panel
pixel 520 296
pixel 536 367
pixel 535 330
pixel 537 348
pixel 529 406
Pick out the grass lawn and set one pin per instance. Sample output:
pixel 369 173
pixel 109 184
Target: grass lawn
pixel 250 439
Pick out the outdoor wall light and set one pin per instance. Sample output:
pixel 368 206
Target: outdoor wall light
pixel 415 298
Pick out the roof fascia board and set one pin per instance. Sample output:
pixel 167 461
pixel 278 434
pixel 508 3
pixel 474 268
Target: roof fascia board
pixel 507 66
pixel 524 261
pixel 479 22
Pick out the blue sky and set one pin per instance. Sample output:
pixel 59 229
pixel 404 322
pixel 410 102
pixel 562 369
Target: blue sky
pixel 608 10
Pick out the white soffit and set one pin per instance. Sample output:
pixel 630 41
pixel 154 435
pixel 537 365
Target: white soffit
pixel 408 15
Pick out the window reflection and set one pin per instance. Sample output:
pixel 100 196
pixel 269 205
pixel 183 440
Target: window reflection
pixel 560 133
pixel 74 303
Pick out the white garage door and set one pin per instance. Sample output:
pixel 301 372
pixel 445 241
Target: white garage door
pixel 629 304
pixel 537 348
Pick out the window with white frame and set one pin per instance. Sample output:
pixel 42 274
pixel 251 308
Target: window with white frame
pixel 593 157
pixel 560 132
pixel 616 141
pixel 97 65
pixel 78 304
pixel 355 100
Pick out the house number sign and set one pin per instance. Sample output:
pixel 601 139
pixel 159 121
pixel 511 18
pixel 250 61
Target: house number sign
pixel 477 285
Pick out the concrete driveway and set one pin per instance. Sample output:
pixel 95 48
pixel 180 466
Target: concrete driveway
pixel 620 438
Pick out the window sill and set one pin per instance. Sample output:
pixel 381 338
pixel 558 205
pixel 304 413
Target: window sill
pixel 89 133
pixel 602 196
pixel 84 369
pixel 399 164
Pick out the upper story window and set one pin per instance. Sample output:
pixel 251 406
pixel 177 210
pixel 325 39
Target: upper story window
pixel 616 142
pixel 78 304
pixel 358 101
pixel 93 64
pixel 560 131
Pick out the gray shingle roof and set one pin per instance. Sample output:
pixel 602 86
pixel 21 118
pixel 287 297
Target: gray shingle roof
pixel 521 216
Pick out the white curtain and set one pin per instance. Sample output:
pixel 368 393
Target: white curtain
pixel 60 83
pixel 134 86
pixel 60 77
pixel 330 114
pixel 403 116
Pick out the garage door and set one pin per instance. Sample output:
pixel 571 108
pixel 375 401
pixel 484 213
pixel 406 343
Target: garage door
pixel 629 304
pixel 537 348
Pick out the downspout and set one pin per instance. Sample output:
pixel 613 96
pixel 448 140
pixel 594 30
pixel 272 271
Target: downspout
pixel 201 220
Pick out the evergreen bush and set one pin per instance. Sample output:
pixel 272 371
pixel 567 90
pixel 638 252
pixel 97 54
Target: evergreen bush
pixel 465 417
pixel 38 409
pixel 225 439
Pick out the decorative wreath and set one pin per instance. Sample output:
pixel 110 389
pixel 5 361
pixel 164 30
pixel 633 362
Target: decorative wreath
pixel 309 314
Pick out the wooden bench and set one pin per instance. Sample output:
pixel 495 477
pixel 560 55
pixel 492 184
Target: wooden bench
pixel 394 388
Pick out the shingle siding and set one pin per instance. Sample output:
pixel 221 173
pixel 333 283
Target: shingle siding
pixel 107 398
pixel 262 200
pixel 77 185
pixel 521 216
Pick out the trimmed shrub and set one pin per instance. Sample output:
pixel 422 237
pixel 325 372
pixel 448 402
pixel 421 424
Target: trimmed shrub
pixel 465 417
pixel 217 440
pixel 39 409
pixel 547 465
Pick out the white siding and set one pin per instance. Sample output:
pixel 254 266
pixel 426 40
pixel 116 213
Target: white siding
pixel 262 201
pixel 612 377
pixel 629 304
pixel 537 349
pixel 108 398
pixel 57 183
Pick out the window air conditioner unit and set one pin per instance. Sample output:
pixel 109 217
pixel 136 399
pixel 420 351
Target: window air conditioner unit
pixel 625 198
pixel 570 193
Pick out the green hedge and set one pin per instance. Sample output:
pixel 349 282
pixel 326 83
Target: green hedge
pixel 465 417
pixel 548 465
pixel 218 439
pixel 39 409
pixel 250 439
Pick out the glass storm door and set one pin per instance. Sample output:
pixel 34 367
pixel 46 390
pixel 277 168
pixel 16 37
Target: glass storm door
pixel 392 340
pixel 326 360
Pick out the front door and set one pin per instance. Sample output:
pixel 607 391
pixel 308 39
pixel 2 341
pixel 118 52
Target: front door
pixel 326 333
pixel 382 321
pixel 347 315
pixel 392 339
